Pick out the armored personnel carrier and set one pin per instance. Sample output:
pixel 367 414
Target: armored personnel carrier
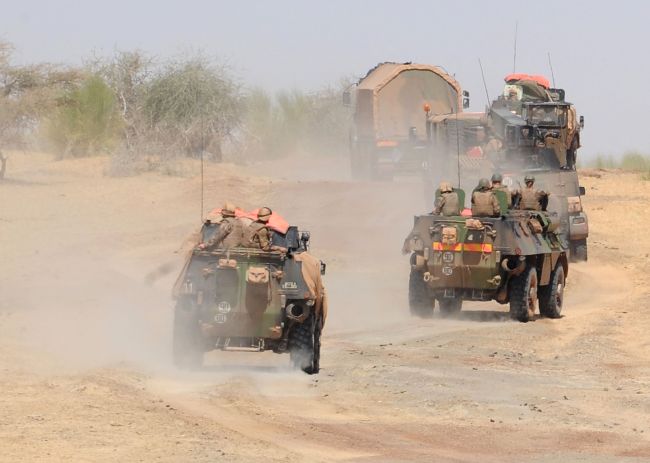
pixel 516 258
pixel 247 299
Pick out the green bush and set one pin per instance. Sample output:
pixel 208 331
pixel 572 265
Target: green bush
pixel 295 122
pixel 86 121
pixel 192 105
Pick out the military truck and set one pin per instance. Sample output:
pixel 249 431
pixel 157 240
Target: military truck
pixel 246 299
pixel 516 258
pixel 388 133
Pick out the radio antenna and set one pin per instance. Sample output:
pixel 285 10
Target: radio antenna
pixel 202 162
pixel 550 64
pixel 484 84
pixel 514 59
pixel 457 149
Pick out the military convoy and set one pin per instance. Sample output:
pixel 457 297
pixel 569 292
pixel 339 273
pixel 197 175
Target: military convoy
pixel 248 299
pixel 271 297
pixel 516 258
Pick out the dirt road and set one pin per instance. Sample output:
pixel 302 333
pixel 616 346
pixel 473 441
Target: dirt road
pixel 85 371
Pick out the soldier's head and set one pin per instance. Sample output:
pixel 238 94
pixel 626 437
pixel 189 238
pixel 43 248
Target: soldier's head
pixel 484 184
pixel 497 179
pixel 529 180
pixel 228 209
pixel 264 214
pixel 445 187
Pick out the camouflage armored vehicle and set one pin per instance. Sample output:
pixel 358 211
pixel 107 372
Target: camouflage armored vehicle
pixel 564 203
pixel 516 258
pixel 388 132
pixel 252 300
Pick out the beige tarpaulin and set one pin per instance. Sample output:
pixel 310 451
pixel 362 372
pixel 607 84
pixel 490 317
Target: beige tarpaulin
pixel 312 276
pixel 391 97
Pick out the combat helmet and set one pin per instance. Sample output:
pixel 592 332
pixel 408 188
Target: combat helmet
pixel 228 209
pixel 264 214
pixel 497 178
pixel 484 184
pixel 529 178
pixel 445 187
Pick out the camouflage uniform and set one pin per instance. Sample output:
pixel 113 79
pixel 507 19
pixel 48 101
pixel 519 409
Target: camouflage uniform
pixel 531 198
pixel 260 235
pixel 498 186
pixel 447 203
pixel 230 230
pixel 484 203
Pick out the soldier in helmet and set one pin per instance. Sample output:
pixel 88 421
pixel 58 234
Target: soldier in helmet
pixel 230 230
pixel 260 235
pixel 484 202
pixel 497 185
pixel 531 199
pixel 447 203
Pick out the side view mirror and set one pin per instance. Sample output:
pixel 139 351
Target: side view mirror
pixel 347 98
pixel 582 122
pixel 465 99
pixel 582 191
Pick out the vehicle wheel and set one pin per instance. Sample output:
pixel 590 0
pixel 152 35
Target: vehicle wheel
pixel 523 295
pixel 449 306
pixel 579 251
pixel 551 297
pixel 420 303
pixel 304 345
pixel 187 343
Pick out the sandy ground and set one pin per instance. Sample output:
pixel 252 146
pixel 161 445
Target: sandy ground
pixel 85 370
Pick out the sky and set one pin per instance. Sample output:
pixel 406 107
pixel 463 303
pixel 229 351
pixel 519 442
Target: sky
pixel 599 50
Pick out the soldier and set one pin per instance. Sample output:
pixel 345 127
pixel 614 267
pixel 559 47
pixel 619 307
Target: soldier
pixel 484 203
pixel 530 198
pixel 260 235
pixel 447 203
pixel 497 185
pixel 230 230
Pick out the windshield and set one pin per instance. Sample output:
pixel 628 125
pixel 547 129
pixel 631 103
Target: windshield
pixel 547 116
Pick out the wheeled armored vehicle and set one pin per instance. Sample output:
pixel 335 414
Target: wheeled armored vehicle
pixel 516 258
pixel 248 299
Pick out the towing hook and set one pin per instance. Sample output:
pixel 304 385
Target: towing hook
pixel 427 277
pixel 514 265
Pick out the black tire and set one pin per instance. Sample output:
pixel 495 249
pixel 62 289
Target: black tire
pixel 523 295
pixel 304 345
pixel 579 251
pixel 420 303
pixel 187 343
pixel 551 297
pixel 450 305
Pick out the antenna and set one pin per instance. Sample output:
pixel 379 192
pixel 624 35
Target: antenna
pixel 457 149
pixel 550 64
pixel 202 162
pixel 484 84
pixel 514 59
